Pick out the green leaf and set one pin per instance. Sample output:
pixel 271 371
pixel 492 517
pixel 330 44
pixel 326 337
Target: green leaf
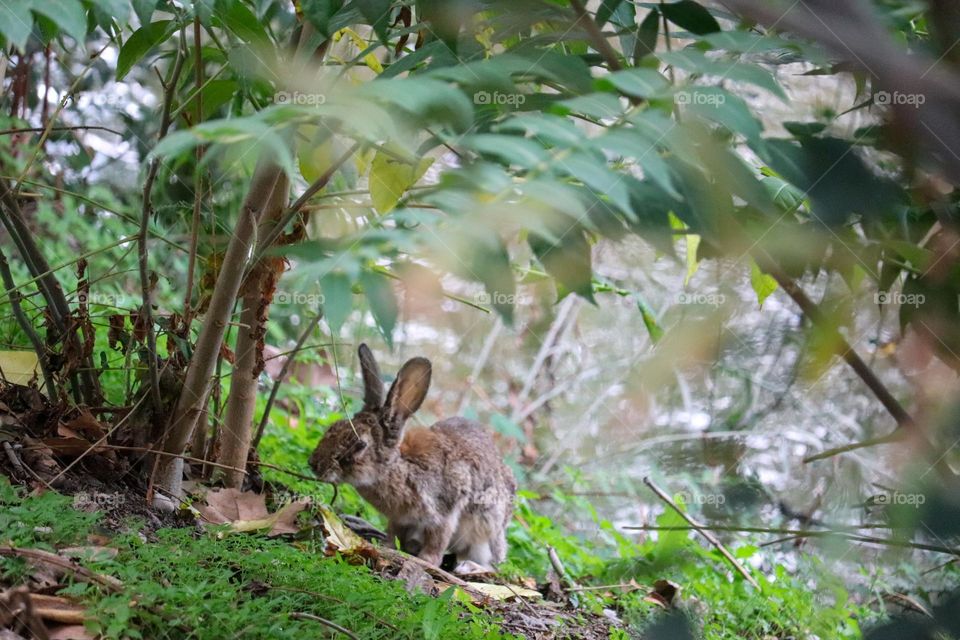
pixel 377 14
pixel 16 23
pixel 108 12
pixel 606 9
pixel 724 108
pixel 203 9
pixel 390 178
pixel 647 36
pixel 504 425
pixel 568 260
pixel 510 150
pixel 601 106
pixel 691 16
pixel 140 43
pixel 144 10
pixel 547 127
pixel 823 169
pixel 66 14
pixel 649 320
pixel 239 20
pixel 383 302
pixel 425 98
pixel 320 12
pixel 642 83
pixel 805 129
pixel 337 299
pixel 696 62
pixel 763 284
pixel 594 173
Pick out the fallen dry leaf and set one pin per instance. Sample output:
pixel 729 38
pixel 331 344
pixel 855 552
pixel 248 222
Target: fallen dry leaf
pixel 247 511
pixel 70 632
pixel 95 553
pixel 340 537
pixel 57 609
pixel 85 424
pixel 490 591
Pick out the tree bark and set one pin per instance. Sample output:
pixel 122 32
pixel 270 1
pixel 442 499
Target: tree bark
pixel 169 470
pixel 241 403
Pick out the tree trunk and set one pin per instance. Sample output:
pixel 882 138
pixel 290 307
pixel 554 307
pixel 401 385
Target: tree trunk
pixel 238 422
pixel 169 469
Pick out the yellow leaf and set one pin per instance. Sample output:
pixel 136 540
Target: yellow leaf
pixel 315 152
pixel 497 591
pixel 340 537
pixel 19 367
pixel 390 178
pixel 370 60
pixel 693 241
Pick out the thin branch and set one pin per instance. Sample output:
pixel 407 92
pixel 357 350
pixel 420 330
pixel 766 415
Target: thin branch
pixel 267 241
pixel 46 557
pixel 170 88
pixel 85 127
pixel 307 331
pixel 296 615
pixel 597 38
pixel 703 531
pixel 27 326
pixel 198 178
pixel 807 533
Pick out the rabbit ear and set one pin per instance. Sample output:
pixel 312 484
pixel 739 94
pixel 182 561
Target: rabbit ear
pixel 372 382
pixel 405 397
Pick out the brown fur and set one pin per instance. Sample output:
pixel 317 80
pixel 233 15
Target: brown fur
pixel 442 488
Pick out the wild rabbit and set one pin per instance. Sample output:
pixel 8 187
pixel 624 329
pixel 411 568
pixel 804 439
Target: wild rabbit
pixel 441 488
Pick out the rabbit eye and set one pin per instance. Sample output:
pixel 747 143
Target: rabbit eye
pixel 351 451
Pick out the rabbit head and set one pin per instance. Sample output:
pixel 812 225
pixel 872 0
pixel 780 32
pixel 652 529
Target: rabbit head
pixel 355 449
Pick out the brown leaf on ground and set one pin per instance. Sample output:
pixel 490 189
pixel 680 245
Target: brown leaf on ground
pixel 247 511
pixel 69 447
pixel 57 609
pixel 84 424
pixel 71 632
pixel 339 537
pixel 94 553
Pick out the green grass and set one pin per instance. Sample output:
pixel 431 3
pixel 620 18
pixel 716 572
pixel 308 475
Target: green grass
pixel 215 585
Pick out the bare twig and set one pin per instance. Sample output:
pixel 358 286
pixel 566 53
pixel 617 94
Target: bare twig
pixel 198 177
pixel 146 287
pixel 478 366
pixel 296 615
pixel 307 331
pixel 809 533
pixel 6 132
pixel 712 539
pixel 27 326
pixel 38 555
pixel 326 596
pixel 264 244
pixel 597 38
